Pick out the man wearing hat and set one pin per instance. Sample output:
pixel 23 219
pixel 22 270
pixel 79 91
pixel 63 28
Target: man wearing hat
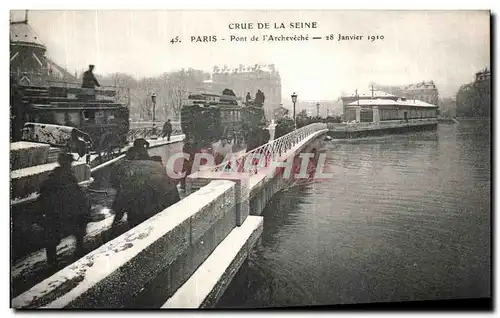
pixel 89 81
pixel 65 207
pixel 139 151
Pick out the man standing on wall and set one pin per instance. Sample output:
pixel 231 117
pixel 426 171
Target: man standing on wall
pixel 90 82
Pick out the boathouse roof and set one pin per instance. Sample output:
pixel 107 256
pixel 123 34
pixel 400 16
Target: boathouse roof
pixel 388 102
pixel 416 102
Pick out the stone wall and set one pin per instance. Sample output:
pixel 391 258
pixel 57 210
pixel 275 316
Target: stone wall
pixel 146 265
pixel 29 180
pixel 25 154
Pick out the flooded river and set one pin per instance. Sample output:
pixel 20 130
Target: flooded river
pixel 406 217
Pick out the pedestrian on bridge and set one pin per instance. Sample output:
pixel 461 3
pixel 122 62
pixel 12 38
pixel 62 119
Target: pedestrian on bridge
pixel 167 129
pixel 66 208
pixel 221 150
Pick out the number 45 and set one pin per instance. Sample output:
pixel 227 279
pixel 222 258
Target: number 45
pixel 175 40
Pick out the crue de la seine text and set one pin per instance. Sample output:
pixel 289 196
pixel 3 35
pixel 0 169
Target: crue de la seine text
pixel 268 25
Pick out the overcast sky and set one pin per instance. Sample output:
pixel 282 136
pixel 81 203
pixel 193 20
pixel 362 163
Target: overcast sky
pixel 447 47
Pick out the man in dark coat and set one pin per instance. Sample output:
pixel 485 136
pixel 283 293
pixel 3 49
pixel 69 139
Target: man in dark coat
pixel 66 208
pixel 143 190
pixel 89 81
pixel 259 98
pixel 167 129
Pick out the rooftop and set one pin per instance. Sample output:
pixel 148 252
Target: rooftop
pixel 385 102
pixel 264 68
pixel 423 84
pixel 23 33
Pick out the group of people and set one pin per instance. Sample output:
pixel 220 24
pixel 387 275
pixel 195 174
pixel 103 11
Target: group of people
pixel 66 208
pixel 259 98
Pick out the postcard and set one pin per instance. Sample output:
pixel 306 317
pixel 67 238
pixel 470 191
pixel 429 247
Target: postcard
pixel 164 159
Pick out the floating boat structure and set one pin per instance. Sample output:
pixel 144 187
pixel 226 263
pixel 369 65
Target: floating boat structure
pixel 383 113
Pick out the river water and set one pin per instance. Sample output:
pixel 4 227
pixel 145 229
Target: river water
pixel 406 217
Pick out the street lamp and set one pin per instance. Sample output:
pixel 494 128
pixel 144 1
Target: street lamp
pixel 317 109
pixel 153 99
pixel 294 100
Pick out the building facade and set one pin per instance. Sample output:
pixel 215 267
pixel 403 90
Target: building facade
pixel 474 99
pixel 249 79
pixel 425 91
pixel 484 75
pixel 376 110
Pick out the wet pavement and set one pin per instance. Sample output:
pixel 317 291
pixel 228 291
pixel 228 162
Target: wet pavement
pixel 30 267
pixel 28 251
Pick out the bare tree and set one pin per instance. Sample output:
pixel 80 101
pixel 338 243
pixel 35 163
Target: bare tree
pixel 177 90
pixel 171 89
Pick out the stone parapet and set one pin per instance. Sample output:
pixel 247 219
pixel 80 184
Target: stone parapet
pixel 205 287
pixel 165 251
pixel 27 181
pixel 197 180
pixel 24 154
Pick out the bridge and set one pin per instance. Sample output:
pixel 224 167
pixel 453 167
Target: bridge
pixel 186 255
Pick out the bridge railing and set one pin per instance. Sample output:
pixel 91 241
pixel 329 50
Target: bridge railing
pixel 143 124
pixel 148 132
pixel 263 156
